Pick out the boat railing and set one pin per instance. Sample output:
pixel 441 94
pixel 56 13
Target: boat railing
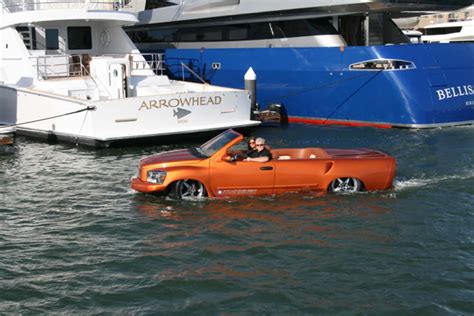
pixel 64 66
pixel 184 66
pixel 59 66
pixel 189 67
pixel 13 6
pixel 144 61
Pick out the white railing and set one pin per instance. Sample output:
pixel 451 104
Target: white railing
pixel 59 66
pixel 12 6
pixel 149 61
pixel 64 66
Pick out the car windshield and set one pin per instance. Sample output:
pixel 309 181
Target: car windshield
pixel 210 147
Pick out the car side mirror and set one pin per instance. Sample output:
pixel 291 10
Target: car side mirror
pixel 231 158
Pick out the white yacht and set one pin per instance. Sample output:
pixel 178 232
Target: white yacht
pixel 69 72
pixel 449 32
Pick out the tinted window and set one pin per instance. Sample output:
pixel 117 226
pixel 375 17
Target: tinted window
pixel 200 34
pixel 298 28
pixel 52 39
pixel 153 4
pixel 237 32
pixel 167 35
pixel 443 30
pixel 79 37
pixel 187 35
pixel 260 31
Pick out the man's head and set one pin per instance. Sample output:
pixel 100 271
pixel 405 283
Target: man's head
pixel 260 144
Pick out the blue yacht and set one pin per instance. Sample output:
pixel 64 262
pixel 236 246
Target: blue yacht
pixel 326 62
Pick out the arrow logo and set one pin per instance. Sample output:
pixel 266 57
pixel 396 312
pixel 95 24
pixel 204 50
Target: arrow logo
pixel 180 113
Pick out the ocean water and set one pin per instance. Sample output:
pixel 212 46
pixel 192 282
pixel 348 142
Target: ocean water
pixel 74 238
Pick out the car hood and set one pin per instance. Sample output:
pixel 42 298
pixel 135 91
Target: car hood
pixel 355 153
pixel 170 156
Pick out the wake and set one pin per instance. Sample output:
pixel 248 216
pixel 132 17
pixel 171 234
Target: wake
pixel 400 184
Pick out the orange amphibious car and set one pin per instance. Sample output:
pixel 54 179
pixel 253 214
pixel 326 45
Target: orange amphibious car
pixel 210 170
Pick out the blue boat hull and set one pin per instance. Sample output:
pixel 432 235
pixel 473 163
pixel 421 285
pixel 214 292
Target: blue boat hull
pixel 316 85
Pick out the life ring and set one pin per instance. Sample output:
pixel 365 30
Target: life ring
pixel 105 38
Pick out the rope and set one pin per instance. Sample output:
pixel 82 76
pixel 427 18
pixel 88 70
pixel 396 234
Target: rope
pixel 89 108
pixel 335 83
pixel 350 96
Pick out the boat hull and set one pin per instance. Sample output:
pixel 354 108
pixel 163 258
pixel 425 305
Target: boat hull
pixel 317 85
pixel 101 123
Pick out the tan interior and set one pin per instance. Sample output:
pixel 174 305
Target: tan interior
pixel 299 153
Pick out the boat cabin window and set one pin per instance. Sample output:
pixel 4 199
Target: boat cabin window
pixel 79 37
pixel 201 35
pixel 52 39
pixel 298 28
pixel 442 30
pixel 237 32
pixel 154 4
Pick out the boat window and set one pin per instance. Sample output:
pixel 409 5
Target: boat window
pixel 79 37
pixel 154 4
pixel 383 64
pixel 237 32
pixel 52 39
pixel 260 31
pixel 210 35
pixel 200 34
pixel 442 30
pixel 187 35
pixel 298 28
pixel 166 35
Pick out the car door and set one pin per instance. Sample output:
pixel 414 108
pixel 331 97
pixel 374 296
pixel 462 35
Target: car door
pixel 241 178
pixel 297 174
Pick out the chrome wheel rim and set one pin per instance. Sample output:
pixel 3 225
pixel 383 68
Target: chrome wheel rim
pixel 345 185
pixel 190 189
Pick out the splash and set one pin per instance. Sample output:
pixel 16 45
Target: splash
pixel 421 182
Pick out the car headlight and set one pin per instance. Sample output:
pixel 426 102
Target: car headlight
pixel 156 176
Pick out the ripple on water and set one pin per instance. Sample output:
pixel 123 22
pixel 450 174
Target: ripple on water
pixel 74 238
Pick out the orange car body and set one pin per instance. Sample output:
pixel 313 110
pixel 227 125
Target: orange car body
pixel 291 169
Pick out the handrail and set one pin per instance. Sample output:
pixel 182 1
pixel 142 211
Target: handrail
pixel 95 80
pixel 183 65
pixel 45 70
pixel 66 66
pixel 152 61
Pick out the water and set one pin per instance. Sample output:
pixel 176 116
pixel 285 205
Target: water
pixel 75 239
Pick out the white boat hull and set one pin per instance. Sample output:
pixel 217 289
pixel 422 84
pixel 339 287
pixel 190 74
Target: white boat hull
pixel 43 114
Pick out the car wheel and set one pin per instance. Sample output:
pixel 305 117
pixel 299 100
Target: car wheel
pixel 189 189
pixel 345 185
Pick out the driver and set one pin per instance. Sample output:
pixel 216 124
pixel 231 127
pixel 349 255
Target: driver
pixel 262 154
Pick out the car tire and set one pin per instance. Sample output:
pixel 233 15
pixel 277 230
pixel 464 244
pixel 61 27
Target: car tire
pixel 189 189
pixel 345 185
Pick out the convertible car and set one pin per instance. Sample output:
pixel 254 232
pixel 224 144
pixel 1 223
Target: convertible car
pixel 215 170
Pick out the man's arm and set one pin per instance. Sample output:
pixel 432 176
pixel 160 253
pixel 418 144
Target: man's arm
pixel 259 159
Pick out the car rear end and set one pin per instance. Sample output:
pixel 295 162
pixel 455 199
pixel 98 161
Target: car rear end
pixel 375 169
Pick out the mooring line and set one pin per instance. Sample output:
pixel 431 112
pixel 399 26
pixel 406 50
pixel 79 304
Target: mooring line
pixel 89 108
